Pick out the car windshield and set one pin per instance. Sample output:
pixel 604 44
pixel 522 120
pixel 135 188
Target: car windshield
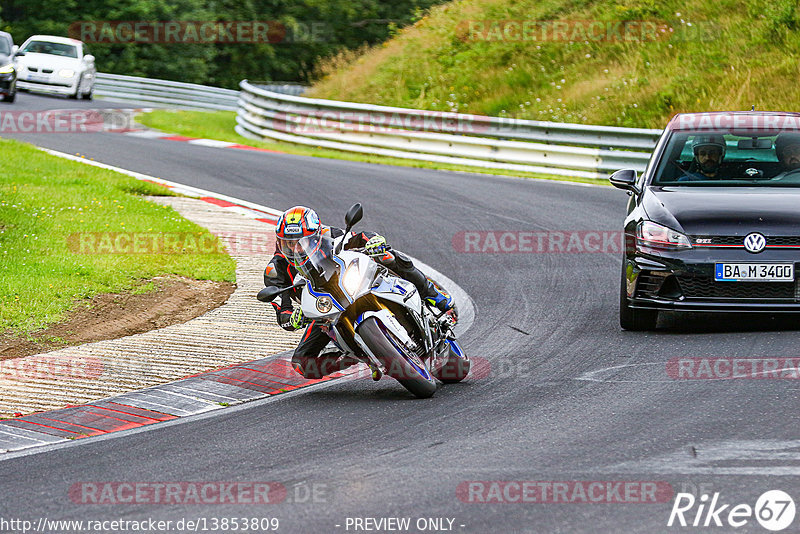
pixel 730 159
pixel 55 49
pixel 5 48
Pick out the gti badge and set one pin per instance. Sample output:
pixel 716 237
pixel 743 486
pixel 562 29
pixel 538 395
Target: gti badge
pixel 755 242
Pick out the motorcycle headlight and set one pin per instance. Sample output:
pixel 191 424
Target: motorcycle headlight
pixel 66 73
pixel 352 278
pixel 655 235
pixel 7 69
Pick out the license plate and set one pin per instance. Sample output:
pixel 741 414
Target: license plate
pixel 754 272
pixel 38 78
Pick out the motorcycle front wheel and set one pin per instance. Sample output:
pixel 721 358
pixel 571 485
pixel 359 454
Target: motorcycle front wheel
pixel 400 363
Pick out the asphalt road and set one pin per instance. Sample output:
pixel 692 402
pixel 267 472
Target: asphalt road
pixel 550 409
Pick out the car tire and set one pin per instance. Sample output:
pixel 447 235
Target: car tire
pixel 10 98
pixel 633 319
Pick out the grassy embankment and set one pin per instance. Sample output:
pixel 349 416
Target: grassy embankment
pixel 723 55
pixel 43 201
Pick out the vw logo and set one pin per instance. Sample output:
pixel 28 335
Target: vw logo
pixel 752 172
pixel 755 242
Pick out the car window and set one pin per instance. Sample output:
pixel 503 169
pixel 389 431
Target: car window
pixel 55 49
pixel 740 159
pixel 5 46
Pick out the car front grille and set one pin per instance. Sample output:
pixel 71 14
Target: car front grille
pixel 703 287
pixel 738 241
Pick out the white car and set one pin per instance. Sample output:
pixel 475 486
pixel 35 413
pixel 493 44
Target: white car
pixel 56 65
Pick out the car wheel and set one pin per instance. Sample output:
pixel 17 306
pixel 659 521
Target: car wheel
pixel 631 318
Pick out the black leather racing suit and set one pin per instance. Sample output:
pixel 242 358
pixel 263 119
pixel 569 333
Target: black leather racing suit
pixel 279 272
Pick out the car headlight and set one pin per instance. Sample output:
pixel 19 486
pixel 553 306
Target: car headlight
pixel 655 235
pixel 7 69
pixel 66 73
pixel 352 278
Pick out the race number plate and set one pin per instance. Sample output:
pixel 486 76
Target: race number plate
pixel 754 272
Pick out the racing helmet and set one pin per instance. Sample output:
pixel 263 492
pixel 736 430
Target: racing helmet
pixel 704 140
pixel 298 233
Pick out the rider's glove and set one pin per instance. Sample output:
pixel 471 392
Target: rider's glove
pixel 297 321
pixel 284 314
pixel 376 246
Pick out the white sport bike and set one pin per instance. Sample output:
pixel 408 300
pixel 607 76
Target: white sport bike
pixel 375 316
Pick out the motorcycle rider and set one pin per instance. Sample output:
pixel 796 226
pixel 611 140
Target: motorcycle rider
pixel 301 222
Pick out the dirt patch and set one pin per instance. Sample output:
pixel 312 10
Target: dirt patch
pixel 110 316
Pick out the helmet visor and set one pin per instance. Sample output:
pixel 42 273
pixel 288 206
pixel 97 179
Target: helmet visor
pixel 308 251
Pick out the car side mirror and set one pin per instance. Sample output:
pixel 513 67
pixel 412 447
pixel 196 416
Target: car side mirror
pixel 14 50
pixel 88 58
pixel 624 179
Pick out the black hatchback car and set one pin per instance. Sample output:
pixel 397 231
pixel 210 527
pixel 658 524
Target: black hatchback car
pixel 713 223
pixel 8 72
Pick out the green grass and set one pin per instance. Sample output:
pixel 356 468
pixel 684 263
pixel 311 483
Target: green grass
pixel 219 125
pixel 44 200
pixel 723 55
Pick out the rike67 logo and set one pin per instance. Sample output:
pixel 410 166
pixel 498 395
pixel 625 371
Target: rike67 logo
pixel 774 510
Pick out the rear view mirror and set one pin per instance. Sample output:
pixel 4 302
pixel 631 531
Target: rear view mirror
pixel 88 58
pixel 268 294
pixel 755 143
pixel 354 215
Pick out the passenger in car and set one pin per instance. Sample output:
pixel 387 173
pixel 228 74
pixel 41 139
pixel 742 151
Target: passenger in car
pixel 787 148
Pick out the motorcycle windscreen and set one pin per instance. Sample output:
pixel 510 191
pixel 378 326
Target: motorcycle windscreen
pixel 313 257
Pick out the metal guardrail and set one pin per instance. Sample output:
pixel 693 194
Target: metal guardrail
pixel 478 141
pixel 168 93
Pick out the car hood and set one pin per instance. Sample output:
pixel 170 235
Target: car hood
pixel 48 61
pixel 732 211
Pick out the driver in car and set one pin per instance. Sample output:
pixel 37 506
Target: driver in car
pixel 709 151
pixel 302 222
pixel 787 148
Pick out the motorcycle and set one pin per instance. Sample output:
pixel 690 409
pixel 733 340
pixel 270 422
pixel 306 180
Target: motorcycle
pixel 373 315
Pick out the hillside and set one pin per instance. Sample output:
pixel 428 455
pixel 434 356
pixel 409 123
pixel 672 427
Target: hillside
pixel 625 63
